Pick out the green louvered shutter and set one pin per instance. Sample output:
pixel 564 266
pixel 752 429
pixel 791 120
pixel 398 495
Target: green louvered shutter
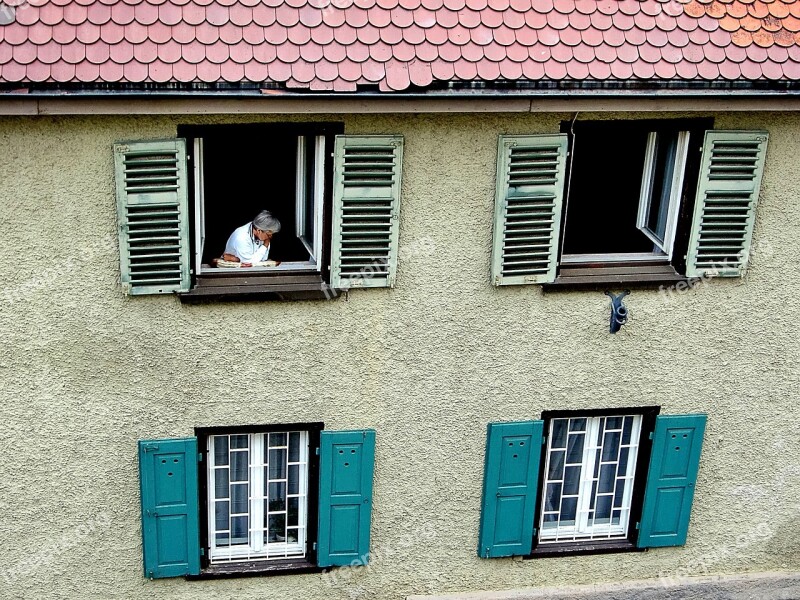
pixel 674 462
pixel 725 205
pixel 366 210
pixel 153 216
pixel 510 480
pixel 527 208
pixel 170 520
pixel 346 463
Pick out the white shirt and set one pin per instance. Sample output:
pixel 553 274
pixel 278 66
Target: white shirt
pixel 246 246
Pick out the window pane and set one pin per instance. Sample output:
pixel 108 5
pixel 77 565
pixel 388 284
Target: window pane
pixel 569 509
pixel 221 515
pixel 572 480
pixel 552 497
pixel 220 483
pixel 239 466
pixel 293 511
pixel 294 479
pixel 556 469
pixel 277 439
pixel 240 504
pixel 239 530
pixel 294 446
pixel 663 172
pixel 623 462
pixel 607 478
pixel 577 425
pixel 239 441
pixel 559 433
pixel 614 423
pixel 611 446
pixel 277 464
pixel 220 450
pixel 603 507
pixel 277 528
pixel 277 496
pixel 575 448
pixel 292 536
pixel 626 430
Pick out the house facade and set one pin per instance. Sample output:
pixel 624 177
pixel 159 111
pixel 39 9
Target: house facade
pixel 420 394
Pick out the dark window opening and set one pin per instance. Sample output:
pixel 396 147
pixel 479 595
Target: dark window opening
pixel 604 193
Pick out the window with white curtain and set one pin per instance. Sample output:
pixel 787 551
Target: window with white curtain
pixel 257 496
pixel 589 474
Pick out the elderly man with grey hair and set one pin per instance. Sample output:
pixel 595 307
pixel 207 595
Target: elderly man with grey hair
pixel 250 243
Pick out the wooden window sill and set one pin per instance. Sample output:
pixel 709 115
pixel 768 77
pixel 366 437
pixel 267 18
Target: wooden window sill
pixel 630 275
pixel 587 547
pixel 257 568
pixel 271 286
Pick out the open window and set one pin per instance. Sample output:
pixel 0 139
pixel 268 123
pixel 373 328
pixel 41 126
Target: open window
pixel 336 196
pixel 619 201
pixel 239 171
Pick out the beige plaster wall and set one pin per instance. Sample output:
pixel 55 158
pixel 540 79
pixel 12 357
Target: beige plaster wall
pixel 87 371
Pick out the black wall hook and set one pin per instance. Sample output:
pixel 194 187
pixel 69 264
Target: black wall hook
pixel 619 314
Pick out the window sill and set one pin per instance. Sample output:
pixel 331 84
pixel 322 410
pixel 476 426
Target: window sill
pixel 238 286
pixel 629 275
pixel 582 548
pixel 257 568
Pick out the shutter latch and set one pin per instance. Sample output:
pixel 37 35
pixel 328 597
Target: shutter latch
pixel 149 447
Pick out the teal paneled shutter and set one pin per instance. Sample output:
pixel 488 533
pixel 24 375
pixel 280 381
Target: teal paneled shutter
pixel 725 205
pixel 527 208
pixel 153 216
pixel 366 209
pixel 510 481
pixel 346 463
pixel 170 519
pixel 674 462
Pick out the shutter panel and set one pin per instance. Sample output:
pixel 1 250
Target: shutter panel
pixel 668 496
pixel 725 205
pixel 170 520
pixel 152 213
pixel 346 463
pixel 527 221
pixel 510 482
pixel 366 208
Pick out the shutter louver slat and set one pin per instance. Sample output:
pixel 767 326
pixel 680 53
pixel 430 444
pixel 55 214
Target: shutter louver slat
pixel 530 180
pixel 152 202
pixel 727 193
pixel 366 207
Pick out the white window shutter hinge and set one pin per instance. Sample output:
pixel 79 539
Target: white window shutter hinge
pixel 651 435
pixel 202 551
pixel 314 546
pixel 199 457
pixel 638 523
pixel 316 451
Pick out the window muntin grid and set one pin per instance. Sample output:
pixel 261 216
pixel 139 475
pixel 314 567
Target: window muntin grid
pixel 258 496
pixel 588 483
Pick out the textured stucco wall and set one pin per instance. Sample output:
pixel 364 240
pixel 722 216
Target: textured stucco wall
pixel 87 371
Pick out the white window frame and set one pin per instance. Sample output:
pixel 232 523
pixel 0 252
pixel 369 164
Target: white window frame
pixel 257 549
pixel 585 529
pixel 314 247
pixel 676 187
pixel 663 249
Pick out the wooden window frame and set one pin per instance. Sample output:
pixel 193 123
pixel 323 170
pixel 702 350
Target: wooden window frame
pixel 235 284
pixel 628 544
pixel 306 564
pixel 643 271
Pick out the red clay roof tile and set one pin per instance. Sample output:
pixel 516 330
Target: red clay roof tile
pixel 313 44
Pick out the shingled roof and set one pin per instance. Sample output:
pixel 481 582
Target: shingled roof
pixel 344 45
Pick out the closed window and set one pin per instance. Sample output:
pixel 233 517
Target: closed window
pixel 258 500
pixel 589 473
pixel 589 481
pixel 261 499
